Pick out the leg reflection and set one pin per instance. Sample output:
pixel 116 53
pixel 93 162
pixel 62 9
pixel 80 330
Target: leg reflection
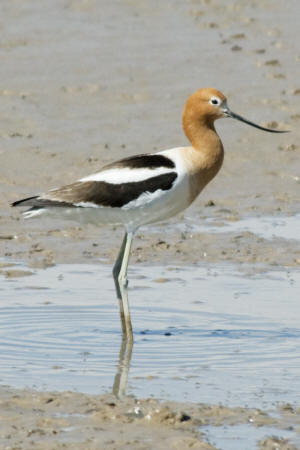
pixel 121 377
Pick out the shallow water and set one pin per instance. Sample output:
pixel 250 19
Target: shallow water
pixel 239 437
pixel 202 334
pixel 287 227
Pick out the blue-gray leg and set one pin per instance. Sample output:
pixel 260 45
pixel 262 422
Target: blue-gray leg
pixel 121 283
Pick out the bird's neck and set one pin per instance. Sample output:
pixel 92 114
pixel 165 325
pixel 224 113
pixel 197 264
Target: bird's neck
pixel 199 131
pixel 204 159
pixel 204 139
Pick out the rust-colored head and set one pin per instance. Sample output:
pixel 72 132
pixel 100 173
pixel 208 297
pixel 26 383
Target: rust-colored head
pixel 205 106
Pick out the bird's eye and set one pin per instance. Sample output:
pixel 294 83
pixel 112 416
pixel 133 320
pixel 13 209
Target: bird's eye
pixel 215 101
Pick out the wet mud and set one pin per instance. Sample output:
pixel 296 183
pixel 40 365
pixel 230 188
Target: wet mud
pixel 83 84
pixel 109 93
pixel 71 420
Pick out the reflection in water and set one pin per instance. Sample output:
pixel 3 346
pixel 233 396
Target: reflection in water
pixel 207 334
pixel 121 377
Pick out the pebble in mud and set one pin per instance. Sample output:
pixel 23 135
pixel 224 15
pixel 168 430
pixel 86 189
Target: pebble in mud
pixel 288 147
pixel 272 62
pixel 236 48
pixel 162 280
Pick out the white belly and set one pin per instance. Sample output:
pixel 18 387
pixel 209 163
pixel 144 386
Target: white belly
pixel 149 207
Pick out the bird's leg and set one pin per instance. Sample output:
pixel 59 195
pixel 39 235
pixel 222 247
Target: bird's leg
pixel 121 282
pixel 116 272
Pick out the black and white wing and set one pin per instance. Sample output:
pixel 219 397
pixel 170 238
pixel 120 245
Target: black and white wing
pixel 115 186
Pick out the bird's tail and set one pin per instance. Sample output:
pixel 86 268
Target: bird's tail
pixel 29 201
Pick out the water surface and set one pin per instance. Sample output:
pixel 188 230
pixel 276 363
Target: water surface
pixel 203 334
pixel 285 227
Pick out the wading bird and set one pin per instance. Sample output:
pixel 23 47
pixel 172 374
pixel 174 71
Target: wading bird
pixel 146 188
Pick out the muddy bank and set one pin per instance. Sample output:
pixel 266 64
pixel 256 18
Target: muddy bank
pixel 160 244
pixel 68 420
pixel 114 85
pixel 83 85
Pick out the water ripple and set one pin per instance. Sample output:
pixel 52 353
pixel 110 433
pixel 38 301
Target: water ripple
pixel 67 336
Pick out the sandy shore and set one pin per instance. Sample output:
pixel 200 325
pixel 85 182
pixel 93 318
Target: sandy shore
pixel 84 83
pixel 71 420
pixel 105 93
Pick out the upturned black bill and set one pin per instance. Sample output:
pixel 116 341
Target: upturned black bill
pixel 238 117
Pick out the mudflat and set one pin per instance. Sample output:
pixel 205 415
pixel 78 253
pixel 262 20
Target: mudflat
pixel 72 420
pixel 84 83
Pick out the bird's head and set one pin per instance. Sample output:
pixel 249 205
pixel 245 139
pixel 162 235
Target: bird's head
pixel 207 105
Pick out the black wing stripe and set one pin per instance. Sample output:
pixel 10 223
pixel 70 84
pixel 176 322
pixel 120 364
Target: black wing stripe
pixel 142 162
pixel 99 193
pixel 118 195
